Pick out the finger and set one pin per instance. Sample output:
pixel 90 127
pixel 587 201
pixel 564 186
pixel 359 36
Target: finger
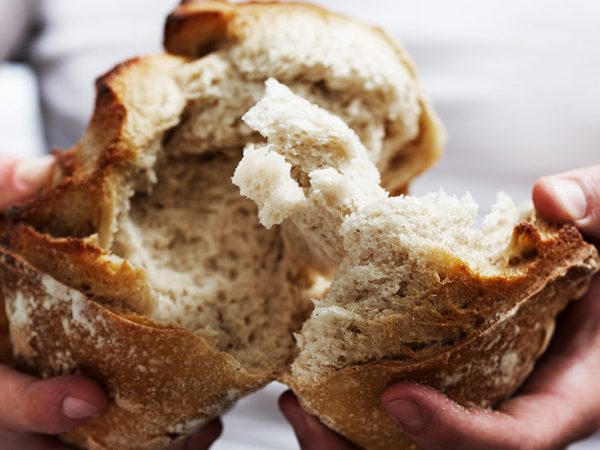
pixel 22 178
pixel 47 406
pixel 539 421
pixel 21 441
pixel 201 439
pixel 311 434
pixel 571 197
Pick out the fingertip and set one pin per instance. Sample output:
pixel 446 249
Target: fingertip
pixel 60 404
pixel 311 433
pixel 540 195
pixel 435 421
pixel 212 430
pixel 408 404
pixel 31 174
pixel 205 436
pixel 558 199
pixel 424 414
pixel 288 400
pixel 293 412
pixel 22 178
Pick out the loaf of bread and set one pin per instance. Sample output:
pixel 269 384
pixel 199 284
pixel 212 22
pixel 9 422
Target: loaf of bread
pixel 142 265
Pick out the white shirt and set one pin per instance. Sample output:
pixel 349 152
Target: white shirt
pixel 517 84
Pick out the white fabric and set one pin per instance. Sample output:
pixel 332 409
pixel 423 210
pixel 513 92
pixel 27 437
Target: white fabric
pixel 20 119
pixel 517 84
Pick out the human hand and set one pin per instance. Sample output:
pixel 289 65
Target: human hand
pixel 22 178
pixel 557 405
pixel 33 410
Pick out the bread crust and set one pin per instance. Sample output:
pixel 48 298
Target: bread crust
pixel 483 369
pixel 163 381
pixel 198 27
pixel 85 183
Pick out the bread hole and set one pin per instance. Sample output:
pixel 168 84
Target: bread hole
pixel 173 436
pixel 442 276
pixel 321 87
pixel 524 245
pixel 170 133
pixel 243 212
pixel 478 322
pixel 401 292
pixel 417 346
pixel 390 128
pixel 212 264
pixel 525 256
pixel 354 329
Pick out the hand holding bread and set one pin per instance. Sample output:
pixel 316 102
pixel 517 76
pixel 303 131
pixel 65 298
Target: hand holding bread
pixel 552 410
pixel 32 410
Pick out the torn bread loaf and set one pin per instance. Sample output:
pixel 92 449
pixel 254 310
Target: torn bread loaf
pixel 417 292
pixel 141 266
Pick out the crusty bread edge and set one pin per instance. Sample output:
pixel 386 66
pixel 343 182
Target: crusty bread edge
pixel 163 381
pixel 198 27
pixel 347 400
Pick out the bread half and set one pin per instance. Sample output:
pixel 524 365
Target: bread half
pixel 417 293
pixel 140 264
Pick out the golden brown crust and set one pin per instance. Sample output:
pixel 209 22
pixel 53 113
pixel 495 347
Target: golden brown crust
pixel 487 366
pixel 197 27
pixel 5 344
pixel 85 182
pixel 163 381
pixel 85 267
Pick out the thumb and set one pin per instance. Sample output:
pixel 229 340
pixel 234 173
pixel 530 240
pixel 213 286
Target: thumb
pixel 536 421
pixel 50 406
pixel 571 197
pixel 22 178
pixel 435 422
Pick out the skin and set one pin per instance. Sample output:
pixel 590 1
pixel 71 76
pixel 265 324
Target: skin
pixel 558 405
pixel 33 410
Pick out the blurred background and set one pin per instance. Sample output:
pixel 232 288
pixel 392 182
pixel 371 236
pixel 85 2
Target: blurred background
pixel 516 83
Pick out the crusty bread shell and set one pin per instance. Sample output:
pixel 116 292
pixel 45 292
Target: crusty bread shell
pixel 164 381
pixel 196 28
pixel 483 369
